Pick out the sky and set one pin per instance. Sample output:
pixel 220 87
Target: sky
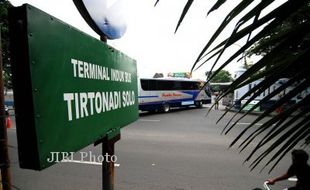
pixel 150 37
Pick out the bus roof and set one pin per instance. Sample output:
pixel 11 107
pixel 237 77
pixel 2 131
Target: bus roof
pixel 175 79
pixel 220 83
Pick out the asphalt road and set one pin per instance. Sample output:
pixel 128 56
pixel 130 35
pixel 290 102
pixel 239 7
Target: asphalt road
pixel 180 150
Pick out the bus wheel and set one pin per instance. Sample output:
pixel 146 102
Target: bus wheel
pixel 166 108
pixel 198 104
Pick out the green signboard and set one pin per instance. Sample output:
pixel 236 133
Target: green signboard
pixel 180 75
pixel 250 106
pixel 70 89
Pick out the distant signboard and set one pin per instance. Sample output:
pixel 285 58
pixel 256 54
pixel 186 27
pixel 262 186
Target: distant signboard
pixel 180 75
pixel 70 89
pixel 250 105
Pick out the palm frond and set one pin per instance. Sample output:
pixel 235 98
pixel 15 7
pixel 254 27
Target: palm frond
pixel 276 17
pixel 223 25
pixel 156 3
pixel 186 8
pixel 216 5
pixel 287 58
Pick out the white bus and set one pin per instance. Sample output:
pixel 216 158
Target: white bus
pixel 162 94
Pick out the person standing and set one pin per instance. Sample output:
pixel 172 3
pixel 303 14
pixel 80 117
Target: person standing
pixel 216 103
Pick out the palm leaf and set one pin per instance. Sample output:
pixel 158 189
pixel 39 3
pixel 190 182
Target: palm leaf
pixel 276 130
pixel 274 122
pixel 184 12
pixel 255 12
pixel 255 68
pixel 265 99
pixel 292 143
pixel 237 10
pixel 297 132
pixel 281 133
pixel 278 142
pixel 217 5
pixel 156 3
pixel 266 83
pixel 279 103
pixel 276 15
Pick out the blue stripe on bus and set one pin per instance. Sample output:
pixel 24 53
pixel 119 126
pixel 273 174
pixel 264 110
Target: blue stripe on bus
pixel 167 101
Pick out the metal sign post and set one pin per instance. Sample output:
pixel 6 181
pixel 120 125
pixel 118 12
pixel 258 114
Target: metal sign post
pixel 108 165
pixel 108 148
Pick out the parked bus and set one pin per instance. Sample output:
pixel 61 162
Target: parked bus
pixel 162 94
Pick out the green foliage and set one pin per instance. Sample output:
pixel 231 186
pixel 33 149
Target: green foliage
pixel 282 36
pixel 222 76
pixel 4 5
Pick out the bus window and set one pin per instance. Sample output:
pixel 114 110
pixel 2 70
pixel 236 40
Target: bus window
pixel 186 85
pixel 164 85
pixel 152 85
pixel 144 84
pixel 177 85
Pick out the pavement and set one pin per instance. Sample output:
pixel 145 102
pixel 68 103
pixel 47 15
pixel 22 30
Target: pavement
pixel 180 150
